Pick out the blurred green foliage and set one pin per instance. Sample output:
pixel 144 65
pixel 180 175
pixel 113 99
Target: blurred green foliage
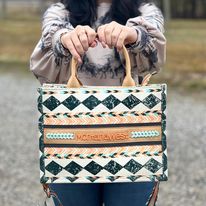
pixel 184 8
pixel 186 49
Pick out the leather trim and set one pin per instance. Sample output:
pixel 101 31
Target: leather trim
pixel 103 135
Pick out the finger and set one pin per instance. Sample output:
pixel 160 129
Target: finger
pixel 81 32
pixel 121 39
pixel 79 29
pixel 101 36
pixel 74 53
pixel 91 34
pixel 77 44
pixel 115 35
pixel 84 41
pixel 94 44
pixel 108 35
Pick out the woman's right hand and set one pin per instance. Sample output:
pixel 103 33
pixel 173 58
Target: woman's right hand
pixel 79 40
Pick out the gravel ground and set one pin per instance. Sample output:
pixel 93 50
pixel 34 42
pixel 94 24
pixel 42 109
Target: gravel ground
pixel 19 173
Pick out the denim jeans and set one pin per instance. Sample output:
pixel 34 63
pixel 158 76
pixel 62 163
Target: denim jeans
pixel 111 194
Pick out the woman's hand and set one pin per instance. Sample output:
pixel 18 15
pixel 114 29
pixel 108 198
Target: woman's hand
pixel 79 40
pixel 116 35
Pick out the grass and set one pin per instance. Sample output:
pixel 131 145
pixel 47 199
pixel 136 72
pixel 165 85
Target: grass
pixel 186 52
pixel 18 38
pixel 186 46
pixel 186 49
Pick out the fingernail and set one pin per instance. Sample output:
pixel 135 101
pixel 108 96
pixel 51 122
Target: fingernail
pixel 95 44
pixel 79 60
pixel 103 44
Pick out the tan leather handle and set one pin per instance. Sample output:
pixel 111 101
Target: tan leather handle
pixel 127 82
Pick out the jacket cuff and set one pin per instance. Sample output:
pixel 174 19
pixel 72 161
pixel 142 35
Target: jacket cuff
pixel 141 42
pixel 58 48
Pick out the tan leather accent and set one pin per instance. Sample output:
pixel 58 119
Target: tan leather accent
pixel 153 197
pixel 146 79
pixel 102 135
pixel 128 81
pixel 73 81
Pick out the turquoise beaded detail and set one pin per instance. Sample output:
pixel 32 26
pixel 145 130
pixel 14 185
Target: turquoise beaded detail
pixel 60 136
pixel 141 134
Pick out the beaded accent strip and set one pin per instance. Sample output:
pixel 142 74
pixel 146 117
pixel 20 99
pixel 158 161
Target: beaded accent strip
pixel 62 89
pixel 140 134
pixel 60 136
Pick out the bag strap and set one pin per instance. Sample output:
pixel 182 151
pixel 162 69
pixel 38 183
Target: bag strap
pixel 128 81
pixel 154 195
pixel 146 80
pixel 50 194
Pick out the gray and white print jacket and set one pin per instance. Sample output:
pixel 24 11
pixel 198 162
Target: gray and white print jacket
pixel 50 61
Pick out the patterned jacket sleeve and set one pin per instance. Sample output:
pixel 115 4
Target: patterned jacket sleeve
pixel 49 55
pixel 148 54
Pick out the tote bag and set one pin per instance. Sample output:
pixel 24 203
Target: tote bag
pixel 102 134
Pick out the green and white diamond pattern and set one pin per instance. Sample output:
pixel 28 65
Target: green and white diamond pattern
pixel 146 166
pixel 135 169
pixel 101 102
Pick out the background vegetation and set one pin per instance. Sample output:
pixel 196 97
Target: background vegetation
pixel 184 8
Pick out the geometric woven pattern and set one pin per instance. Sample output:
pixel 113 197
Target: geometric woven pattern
pixel 53 89
pixel 131 101
pixel 91 102
pixel 133 166
pixel 71 102
pixel 150 101
pixel 51 103
pixel 111 167
pixel 102 118
pixel 153 166
pixel 112 152
pixel 64 112
pixel 110 102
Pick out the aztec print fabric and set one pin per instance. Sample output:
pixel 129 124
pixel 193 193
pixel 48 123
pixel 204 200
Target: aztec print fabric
pixel 102 134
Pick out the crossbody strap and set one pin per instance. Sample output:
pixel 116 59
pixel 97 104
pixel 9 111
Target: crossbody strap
pixel 154 195
pixel 50 194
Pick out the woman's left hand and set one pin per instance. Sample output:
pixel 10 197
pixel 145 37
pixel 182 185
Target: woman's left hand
pixel 116 35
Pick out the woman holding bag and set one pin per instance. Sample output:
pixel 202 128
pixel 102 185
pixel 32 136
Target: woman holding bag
pixel 94 32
